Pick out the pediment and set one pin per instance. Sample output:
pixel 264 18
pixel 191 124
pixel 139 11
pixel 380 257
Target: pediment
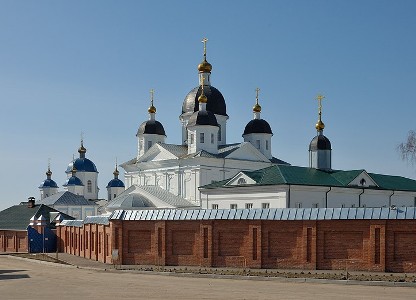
pixel 156 153
pixel 247 152
pixel 363 180
pixel 240 179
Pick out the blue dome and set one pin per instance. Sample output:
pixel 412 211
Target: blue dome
pixel 115 183
pixel 82 165
pixel 73 181
pixel 257 126
pixel 48 183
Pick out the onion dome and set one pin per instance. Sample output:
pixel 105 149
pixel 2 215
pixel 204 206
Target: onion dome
pixel 257 108
pixel 151 109
pixel 320 125
pixel 215 100
pixel 81 164
pixel 202 98
pixel 73 180
pixel 151 127
pixel 115 182
pixel 82 149
pixel 203 117
pixel 320 142
pixel 204 67
pixel 257 126
pixel 48 182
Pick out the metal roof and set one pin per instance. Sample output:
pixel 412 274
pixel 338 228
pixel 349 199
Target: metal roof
pixel 72 223
pixel 276 214
pixel 65 198
pixel 103 220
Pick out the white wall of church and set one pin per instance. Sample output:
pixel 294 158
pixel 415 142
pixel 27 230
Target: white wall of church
pixel 90 191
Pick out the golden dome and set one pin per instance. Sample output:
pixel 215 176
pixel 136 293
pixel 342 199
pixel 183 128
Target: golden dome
pixel 205 67
pixel 151 109
pixel 320 125
pixel 257 108
pixel 202 99
pixel 82 149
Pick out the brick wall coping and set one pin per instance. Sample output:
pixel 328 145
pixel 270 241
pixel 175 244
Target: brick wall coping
pixel 307 214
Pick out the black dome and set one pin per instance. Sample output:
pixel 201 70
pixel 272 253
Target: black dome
pixel 320 142
pixel 215 104
pixel 151 127
pixel 257 126
pixel 203 117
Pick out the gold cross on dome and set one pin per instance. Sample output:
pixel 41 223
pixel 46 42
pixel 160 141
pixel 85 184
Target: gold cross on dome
pixel 257 95
pixel 320 98
pixel 152 93
pixel 205 40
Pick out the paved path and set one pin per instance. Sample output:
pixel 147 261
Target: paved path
pixel 27 279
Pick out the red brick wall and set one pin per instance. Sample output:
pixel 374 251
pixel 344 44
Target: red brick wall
pixel 373 245
pixel 13 241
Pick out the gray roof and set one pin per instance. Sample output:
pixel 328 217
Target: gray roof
pixel 103 220
pixel 181 151
pixel 277 214
pixel 136 197
pixel 65 198
pixel 73 223
pixel 17 217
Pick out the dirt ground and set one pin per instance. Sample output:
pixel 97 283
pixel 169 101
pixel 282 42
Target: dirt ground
pixel 28 279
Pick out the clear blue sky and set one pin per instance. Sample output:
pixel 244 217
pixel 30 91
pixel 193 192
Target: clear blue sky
pixel 68 67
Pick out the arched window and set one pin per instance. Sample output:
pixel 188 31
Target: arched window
pixel 241 181
pixel 89 186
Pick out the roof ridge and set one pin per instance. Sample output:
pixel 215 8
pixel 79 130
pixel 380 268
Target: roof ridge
pixel 280 172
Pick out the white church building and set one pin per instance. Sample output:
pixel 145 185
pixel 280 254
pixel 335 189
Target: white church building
pixel 207 172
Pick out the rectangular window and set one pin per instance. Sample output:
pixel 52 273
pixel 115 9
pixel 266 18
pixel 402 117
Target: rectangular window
pixel 258 144
pixel 219 134
pixel 233 206
pixel 114 196
pixel 212 138
pixel 267 145
pixel 265 205
pixel 214 206
pixel 315 205
pixel 298 205
pixel 249 205
pixel 192 138
pixel 149 144
pixel 201 138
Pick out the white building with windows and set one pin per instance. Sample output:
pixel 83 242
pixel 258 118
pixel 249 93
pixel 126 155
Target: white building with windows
pixel 207 172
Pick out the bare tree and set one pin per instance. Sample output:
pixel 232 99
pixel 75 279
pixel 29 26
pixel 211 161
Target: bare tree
pixel 407 149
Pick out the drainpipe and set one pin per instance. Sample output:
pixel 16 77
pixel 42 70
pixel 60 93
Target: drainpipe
pixel 359 198
pixel 326 196
pixel 390 199
pixel 288 197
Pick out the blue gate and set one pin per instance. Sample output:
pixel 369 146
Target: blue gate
pixel 41 242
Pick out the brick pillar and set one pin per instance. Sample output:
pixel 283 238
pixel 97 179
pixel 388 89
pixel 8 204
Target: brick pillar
pixel 206 243
pixel 160 243
pixel 253 256
pixel 309 244
pixel 377 249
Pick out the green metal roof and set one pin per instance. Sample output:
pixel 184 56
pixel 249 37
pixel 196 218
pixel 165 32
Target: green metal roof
pixel 293 175
pixel 17 217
